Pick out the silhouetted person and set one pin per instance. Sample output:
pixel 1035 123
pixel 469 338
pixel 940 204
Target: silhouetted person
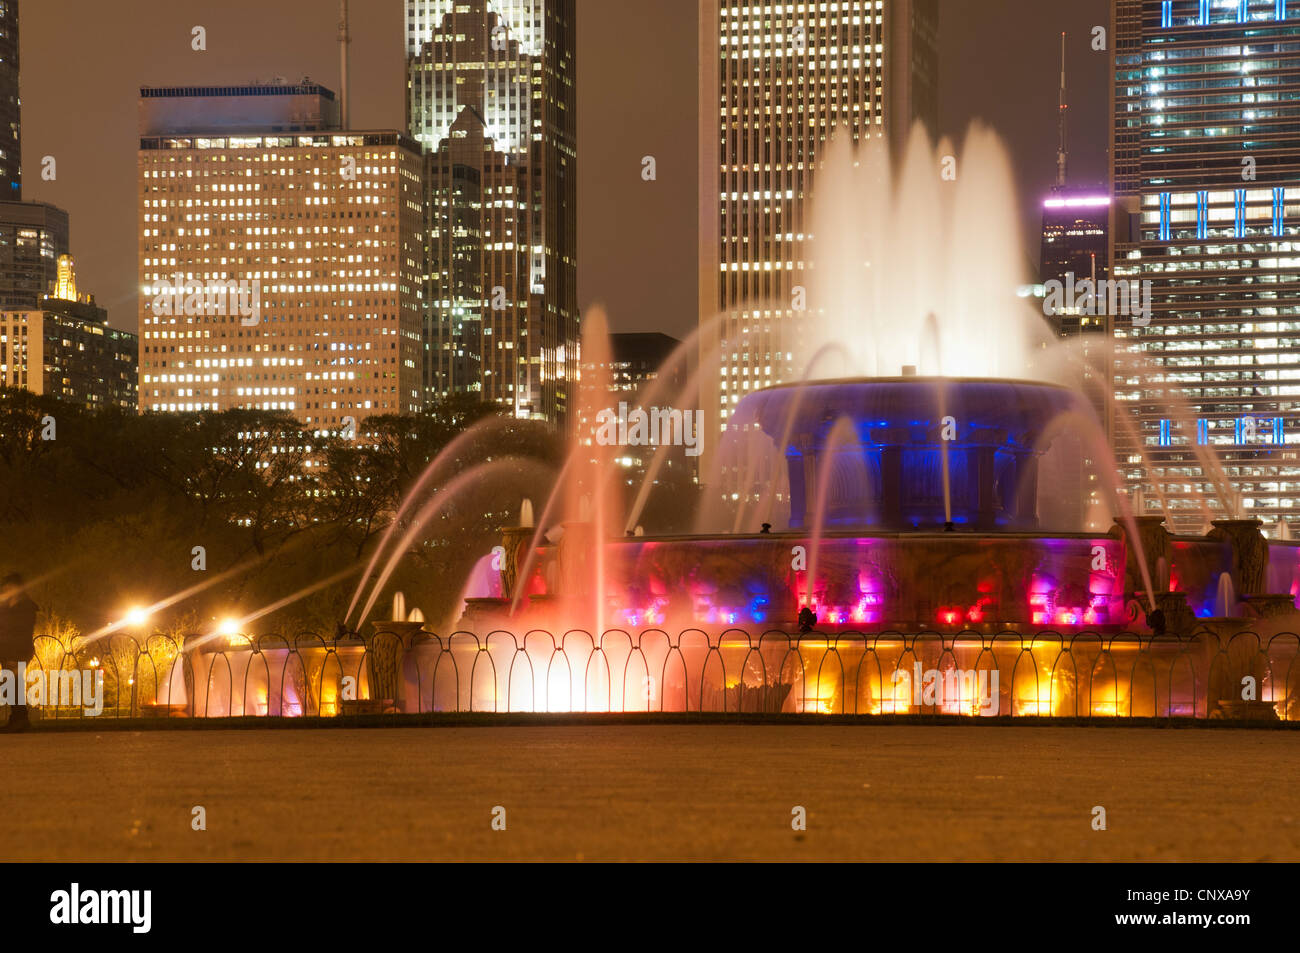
pixel 767 528
pixel 807 619
pixel 1156 621
pixel 17 642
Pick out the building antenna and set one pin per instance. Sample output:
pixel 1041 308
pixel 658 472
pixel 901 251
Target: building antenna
pixel 344 40
pixel 1062 154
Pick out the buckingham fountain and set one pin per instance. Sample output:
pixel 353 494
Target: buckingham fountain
pixel 932 491
pixel 957 507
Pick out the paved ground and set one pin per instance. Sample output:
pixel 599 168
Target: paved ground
pixel 653 792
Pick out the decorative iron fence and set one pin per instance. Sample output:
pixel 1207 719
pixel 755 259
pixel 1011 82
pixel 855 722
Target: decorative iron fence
pixel 1046 673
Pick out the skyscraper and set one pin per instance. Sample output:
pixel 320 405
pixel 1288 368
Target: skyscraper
pixel 776 81
pixel 1075 230
pixel 66 348
pixel 11 144
pixel 490 96
pixel 1206 174
pixel 33 236
pixel 279 269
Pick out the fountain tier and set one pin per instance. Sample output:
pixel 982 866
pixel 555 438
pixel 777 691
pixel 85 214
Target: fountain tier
pixel 888 467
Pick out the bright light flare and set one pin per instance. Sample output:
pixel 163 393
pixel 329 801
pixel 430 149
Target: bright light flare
pixel 135 617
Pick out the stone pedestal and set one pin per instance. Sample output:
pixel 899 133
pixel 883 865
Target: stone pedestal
pixel 484 614
pixel 1273 605
pixel 1245 711
pixel 1233 653
pixel 386 646
pixel 1180 620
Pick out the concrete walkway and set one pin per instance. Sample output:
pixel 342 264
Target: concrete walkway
pixel 653 792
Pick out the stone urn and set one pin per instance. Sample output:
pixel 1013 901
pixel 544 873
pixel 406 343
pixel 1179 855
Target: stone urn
pixel 514 540
pixel 1147 551
pixel 385 648
pixel 1249 552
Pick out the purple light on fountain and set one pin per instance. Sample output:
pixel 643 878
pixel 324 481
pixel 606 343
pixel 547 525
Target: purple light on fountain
pixel 1079 201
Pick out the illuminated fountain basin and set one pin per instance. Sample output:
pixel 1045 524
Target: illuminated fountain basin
pixel 914 502
pixel 903 581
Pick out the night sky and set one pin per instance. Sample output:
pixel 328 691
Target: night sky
pixel 83 62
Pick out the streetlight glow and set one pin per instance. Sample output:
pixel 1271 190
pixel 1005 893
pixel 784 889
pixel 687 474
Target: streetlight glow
pixel 136 616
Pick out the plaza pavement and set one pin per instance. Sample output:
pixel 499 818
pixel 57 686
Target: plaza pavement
pixel 653 792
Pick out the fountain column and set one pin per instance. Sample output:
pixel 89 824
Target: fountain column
pixel 801 466
pixel 888 446
pixel 1026 506
pixel 576 562
pixel 982 474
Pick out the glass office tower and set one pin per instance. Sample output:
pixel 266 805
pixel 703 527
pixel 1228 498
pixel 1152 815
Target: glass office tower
pixel 1206 175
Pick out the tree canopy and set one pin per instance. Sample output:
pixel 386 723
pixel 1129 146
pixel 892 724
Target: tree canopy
pixel 242 509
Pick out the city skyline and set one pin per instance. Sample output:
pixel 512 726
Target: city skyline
pixel 645 277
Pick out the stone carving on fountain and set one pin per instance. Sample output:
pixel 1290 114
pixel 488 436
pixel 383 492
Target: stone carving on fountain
pixel 1249 552
pixel 1152 552
pixel 514 541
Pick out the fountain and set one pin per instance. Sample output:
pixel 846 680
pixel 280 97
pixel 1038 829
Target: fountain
pixel 932 505
pixel 911 501
pixel 925 497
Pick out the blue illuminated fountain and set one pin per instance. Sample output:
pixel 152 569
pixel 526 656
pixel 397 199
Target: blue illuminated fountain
pixel 925 453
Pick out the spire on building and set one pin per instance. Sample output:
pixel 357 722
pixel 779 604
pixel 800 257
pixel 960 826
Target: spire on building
pixel 345 38
pixel 1062 153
